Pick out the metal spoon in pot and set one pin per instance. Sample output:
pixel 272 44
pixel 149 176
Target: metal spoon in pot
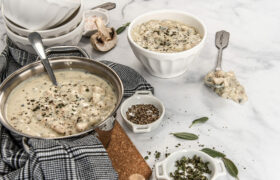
pixel 221 41
pixel 36 42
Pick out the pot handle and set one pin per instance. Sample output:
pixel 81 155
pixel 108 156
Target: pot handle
pixel 160 170
pixel 62 50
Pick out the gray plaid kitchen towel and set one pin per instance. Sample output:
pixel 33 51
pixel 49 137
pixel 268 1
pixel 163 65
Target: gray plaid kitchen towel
pixel 75 158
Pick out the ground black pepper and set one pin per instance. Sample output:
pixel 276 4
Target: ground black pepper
pixel 142 113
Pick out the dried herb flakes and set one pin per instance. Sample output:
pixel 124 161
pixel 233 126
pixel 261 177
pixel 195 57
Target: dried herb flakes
pixel 191 168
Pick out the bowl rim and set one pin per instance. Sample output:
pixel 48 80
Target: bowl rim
pixel 8 22
pixel 30 25
pixel 167 11
pixel 134 96
pixel 47 40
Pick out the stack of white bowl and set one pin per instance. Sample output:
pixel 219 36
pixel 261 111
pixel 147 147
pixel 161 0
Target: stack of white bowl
pixel 59 22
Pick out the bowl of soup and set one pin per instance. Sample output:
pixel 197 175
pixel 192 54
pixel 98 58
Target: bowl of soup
pixel 166 41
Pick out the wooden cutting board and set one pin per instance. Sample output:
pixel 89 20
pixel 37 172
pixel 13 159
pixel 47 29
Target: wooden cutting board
pixel 124 156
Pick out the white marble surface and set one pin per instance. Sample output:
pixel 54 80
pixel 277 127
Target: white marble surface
pixel 248 134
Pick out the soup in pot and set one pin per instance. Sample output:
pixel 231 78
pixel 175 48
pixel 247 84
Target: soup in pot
pixel 81 100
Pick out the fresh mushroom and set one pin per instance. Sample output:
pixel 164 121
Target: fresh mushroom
pixel 105 39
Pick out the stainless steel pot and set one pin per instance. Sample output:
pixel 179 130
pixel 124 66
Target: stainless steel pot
pixel 63 62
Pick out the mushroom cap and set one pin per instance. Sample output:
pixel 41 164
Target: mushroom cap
pixel 103 43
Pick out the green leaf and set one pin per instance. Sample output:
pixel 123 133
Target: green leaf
pixel 185 135
pixel 231 168
pixel 199 120
pixel 122 28
pixel 213 153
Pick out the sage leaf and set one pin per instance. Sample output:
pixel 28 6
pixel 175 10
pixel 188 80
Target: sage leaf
pixel 231 168
pixel 213 153
pixel 199 120
pixel 122 28
pixel 185 135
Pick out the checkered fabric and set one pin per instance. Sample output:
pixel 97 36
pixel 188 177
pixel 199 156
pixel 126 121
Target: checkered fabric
pixel 73 158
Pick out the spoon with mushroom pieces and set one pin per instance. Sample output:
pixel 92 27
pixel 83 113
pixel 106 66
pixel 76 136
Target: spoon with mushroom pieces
pixel 105 39
pixel 221 41
pixel 36 42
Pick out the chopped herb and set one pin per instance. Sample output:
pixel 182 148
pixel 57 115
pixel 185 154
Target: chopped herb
pixel 157 154
pixel 167 154
pixel 60 105
pixel 36 108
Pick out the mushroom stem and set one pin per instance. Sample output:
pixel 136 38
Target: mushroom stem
pixel 102 28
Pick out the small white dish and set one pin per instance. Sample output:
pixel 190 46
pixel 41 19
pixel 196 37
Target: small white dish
pixel 142 97
pixel 167 65
pixel 165 167
pixel 99 12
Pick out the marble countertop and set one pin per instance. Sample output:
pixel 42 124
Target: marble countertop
pixel 248 134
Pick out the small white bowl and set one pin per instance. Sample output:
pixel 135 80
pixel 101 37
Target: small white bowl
pixel 142 97
pixel 62 29
pixel 167 65
pixel 165 167
pixel 99 12
pixel 71 39
pixel 39 14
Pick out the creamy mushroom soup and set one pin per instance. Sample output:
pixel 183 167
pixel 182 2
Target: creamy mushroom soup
pixel 230 87
pixel 81 99
pixel 166 36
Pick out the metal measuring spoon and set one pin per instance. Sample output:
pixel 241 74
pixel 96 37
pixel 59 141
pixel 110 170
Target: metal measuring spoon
pixel 221 41
pixel 36 42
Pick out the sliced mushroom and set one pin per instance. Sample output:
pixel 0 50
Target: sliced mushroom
pixel 105 39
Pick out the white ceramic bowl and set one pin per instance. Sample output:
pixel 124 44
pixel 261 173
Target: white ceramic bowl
pixel 39 14
pixel 64 28
pixel 142 97
pixel 165 167
pixel 167 65
pixel 71 39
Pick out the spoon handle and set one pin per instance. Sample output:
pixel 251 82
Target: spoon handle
pixel 47 66
pixel 36 42
pixel 219 61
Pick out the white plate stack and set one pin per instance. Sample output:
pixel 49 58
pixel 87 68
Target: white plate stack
pixel 59 22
